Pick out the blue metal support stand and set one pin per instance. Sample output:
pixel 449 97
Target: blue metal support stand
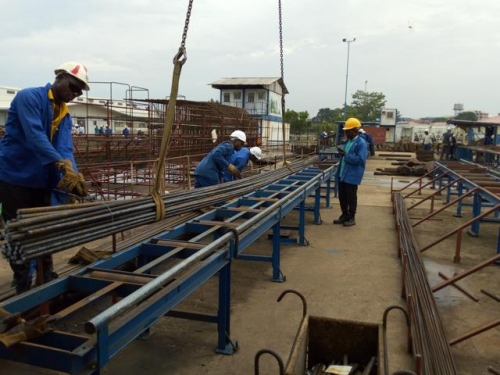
pixel 317 199
pixel 476 211
pixel 460 191
pixel 102 346
pixel 302 224
pixel 225 345
pixel 277 275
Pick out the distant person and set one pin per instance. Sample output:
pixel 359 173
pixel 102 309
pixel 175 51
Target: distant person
pixel 209 170
pixel 427 141
pixel 96 130
pixel 125 131
pixel 369 141
pixel 452 147
pixel 81 130
pixel 101 130
pixel 240 160
pixel 445 145
pixel 350 171
pixel 489 133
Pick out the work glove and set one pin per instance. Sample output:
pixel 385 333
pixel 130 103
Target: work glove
pixel 24 331
pixel 234 171
pixel 8 320
pixel 71 181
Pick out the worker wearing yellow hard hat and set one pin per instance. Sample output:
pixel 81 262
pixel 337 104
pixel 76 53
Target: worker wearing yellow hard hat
pixel 350 171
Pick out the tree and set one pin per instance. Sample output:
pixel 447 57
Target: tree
pixel 467 115
pixel 327 115
pixel 298 121
pixel 366 106
pixel 440 119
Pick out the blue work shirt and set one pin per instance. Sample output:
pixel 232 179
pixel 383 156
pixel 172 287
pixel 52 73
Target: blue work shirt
pixel 352 164
pixel 368 138
pixel 212 165
pixel 240 160
pixel 26 152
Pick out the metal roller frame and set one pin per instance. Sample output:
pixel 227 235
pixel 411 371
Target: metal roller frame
pixel 145 298
pixel 482 196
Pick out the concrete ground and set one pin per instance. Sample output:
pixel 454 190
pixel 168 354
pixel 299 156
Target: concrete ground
pixel 345 273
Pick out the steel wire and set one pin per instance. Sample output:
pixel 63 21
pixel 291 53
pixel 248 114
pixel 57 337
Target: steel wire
pixel 429 339
pixel 47 230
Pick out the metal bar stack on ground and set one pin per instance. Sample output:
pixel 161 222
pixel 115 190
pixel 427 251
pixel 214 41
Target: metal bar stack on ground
pixel 429 339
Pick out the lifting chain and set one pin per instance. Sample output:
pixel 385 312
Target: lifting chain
pixel 281 43
pixel 179 59
pixel 186 24
pixel 283 87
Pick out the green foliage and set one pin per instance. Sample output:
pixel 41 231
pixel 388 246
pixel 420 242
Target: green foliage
pixel 367 105
pixel 469 116
pixel 299 121
pixel 327 115
pixel 440 119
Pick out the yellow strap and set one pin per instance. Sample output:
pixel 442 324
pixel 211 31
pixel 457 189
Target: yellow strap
pixel 160 205
pixel 167 129
pixel 63 111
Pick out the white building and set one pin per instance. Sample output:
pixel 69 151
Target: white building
pixel 6 96
pixel 261 98
pixel 90 112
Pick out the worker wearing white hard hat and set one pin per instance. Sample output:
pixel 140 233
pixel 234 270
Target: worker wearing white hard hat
pixel 240 160
pixel 36 155
pixel 76 70
pixel 256 152
pixel 209 171
pixel 238 135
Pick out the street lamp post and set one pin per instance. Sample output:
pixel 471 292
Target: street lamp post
pixel 348 41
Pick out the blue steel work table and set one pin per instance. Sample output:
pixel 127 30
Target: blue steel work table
pixel 125 304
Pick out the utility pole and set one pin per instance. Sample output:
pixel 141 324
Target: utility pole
pixel 348 41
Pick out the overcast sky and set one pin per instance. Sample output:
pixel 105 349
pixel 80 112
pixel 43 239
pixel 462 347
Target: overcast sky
pixel 424 55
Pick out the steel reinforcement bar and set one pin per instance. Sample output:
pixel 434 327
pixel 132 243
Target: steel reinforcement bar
pixel 429 339
pixel 47 230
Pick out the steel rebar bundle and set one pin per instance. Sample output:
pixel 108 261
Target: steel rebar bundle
pixel 47 230
pixel 429 339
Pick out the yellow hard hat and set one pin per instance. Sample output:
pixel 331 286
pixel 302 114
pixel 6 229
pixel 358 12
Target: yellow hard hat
pixel 351 123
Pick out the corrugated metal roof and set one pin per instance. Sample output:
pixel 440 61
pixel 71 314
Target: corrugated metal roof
pixel 10 88
pixel 493 119
pixel 243 81
pixel 249 81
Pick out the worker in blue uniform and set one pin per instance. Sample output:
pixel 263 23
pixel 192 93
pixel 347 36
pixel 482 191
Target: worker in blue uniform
pixel 350 171
pixel 36 154
pixel 369 141
pixel 208 171
pixel 240 160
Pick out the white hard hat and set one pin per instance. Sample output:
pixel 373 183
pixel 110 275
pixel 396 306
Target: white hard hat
pixel 257 152
pixel 77 70
pixel 238 134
